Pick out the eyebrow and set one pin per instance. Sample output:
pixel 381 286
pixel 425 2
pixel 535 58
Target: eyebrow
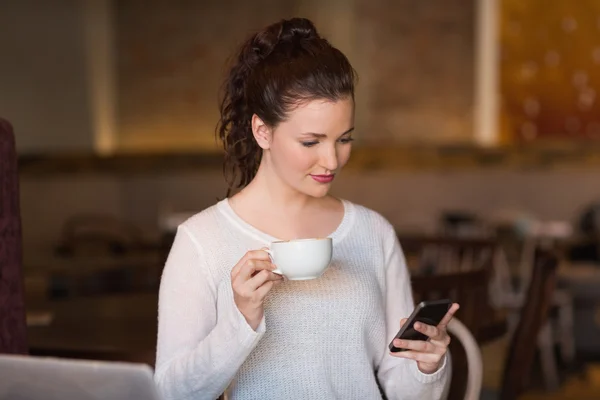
pixel 323 135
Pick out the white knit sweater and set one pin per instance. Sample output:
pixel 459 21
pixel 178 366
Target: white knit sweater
pixel 325 338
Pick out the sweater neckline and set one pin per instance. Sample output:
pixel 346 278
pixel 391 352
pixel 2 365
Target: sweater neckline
pixel 337 235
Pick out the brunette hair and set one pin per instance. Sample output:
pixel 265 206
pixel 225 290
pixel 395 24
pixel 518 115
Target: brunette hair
pixel 276 69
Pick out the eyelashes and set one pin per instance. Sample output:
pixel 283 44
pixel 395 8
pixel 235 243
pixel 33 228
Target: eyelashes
pixel 315 142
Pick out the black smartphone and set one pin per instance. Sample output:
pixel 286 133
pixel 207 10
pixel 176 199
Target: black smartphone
pixel 427 312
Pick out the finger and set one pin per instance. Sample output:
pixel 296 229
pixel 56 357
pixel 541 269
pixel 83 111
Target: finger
pixel 271 268
pixel 263 290
pixel 421 346
pixel 276 277
pixel 403 321
pixel 448 317
pixel 250 255
pixel 252 266
pixel 442 342
pixel 259 279
pixel 430 331
pixel 420 357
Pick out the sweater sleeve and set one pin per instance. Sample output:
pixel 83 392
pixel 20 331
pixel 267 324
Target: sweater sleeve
pixel 199 350
pixel 401 378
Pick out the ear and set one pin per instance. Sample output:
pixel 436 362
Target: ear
pixel 262 132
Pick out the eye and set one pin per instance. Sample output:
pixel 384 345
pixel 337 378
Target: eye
pixel 309 144
pixel 346 140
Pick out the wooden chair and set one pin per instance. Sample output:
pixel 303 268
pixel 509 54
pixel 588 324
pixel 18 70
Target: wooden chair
pixel 512 297
pixel 13 326
pixel 534 316
pixel 435 255
pixel 469 289
pixel 461 270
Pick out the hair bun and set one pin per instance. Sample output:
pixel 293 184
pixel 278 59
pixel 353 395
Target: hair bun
pixel 297 29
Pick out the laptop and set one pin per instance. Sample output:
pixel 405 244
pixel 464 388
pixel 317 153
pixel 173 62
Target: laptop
pixel 36 378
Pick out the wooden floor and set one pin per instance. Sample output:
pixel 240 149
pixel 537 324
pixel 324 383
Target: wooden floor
pixel 585 386
pixel 581 385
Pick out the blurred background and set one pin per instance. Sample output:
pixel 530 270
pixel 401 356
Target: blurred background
pixel 478 136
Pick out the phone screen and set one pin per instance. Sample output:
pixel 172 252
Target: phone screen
pixel 427 312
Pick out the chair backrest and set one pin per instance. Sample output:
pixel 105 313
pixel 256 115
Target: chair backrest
pixel 13 327
pixel 447 254
pixel 534 314
pixel 455 268
pixel 474 360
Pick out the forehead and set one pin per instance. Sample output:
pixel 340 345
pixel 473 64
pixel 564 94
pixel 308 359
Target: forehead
pixel 322 114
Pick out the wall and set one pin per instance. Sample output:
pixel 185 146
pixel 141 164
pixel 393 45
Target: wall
pixel 43 88
pixel 418 61
pixel 414 61
pixel 144 75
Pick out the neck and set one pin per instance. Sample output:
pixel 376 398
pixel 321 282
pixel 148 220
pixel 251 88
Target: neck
pixel 267 191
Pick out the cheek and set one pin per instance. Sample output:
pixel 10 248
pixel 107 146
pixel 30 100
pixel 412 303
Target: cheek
pixel 303 159
pixel 295 158
pixel 344 155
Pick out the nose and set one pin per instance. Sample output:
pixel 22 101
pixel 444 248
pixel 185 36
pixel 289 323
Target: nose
pixel 329 158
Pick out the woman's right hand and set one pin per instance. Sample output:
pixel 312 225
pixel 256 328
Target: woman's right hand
pixel 252 279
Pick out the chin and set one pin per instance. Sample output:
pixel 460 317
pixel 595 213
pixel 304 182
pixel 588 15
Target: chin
pixel 317 192
pixel 313 189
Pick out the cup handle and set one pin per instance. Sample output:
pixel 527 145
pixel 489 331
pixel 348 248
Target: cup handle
pixel 270 253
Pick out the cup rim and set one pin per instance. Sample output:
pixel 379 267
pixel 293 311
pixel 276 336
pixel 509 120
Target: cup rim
pixel 301 240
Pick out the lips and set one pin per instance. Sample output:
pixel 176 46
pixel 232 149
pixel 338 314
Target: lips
pixel 323 178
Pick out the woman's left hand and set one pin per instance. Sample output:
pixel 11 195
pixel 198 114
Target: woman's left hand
pixel 428 354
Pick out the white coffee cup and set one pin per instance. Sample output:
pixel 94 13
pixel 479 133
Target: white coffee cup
pixel 301 259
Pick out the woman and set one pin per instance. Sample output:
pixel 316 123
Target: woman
pixel 226 321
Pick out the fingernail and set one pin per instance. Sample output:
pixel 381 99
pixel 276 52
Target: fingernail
pixel 417 325
pixel 399 343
